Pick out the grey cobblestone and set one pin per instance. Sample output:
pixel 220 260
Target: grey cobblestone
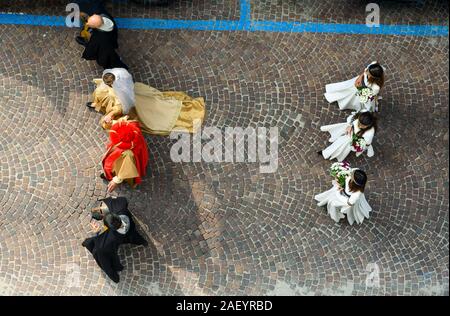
pixel 226 229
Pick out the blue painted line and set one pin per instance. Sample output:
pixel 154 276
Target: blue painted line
pixel 246 11
pixel 239 25
pixel 28 19
pixel 295 27
pixel 157 24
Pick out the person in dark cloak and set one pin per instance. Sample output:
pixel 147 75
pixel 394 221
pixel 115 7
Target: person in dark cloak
pixel 119 228
pixel 99 35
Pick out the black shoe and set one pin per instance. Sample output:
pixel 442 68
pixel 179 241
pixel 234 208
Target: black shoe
pixel 140 242
pixel 102 175
pixel 81 41
pixel 115 278
pixel 319 153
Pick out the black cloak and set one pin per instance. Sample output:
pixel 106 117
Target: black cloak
pixel 104 247
pixel 102 45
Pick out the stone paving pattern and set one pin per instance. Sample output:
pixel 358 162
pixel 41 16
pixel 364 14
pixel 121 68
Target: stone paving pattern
pixel 328 11
pixel 349 11
pixel 226 229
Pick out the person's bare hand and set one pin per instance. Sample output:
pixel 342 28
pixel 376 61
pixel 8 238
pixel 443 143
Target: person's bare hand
pixel 358 81
pixel 348 130
pixel 112 186
pixel 107 119
pixel 95 226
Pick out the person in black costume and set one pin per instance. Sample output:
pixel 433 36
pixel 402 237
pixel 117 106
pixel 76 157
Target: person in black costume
pixel 119 229
pixel 99 35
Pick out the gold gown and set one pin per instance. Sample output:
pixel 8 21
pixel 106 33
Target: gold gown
pixel 106 102
pixel 125 168
pixel 158 113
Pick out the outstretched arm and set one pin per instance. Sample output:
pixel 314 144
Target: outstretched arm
pixel 124 168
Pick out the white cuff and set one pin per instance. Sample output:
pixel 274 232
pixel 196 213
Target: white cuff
pixel 117 180
pixel 370 151
pixel 350 118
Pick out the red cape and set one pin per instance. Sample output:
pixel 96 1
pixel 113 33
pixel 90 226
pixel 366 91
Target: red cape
pixel 125 135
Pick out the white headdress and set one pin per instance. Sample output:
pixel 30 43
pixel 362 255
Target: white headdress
pixel 123 86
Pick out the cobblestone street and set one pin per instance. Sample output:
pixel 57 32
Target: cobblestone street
pixel 225 228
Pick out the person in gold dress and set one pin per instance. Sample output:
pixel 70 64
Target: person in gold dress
pixel 158 113
pixel 106 100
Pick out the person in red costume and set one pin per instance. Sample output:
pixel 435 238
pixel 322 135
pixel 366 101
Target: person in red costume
pixel 126 157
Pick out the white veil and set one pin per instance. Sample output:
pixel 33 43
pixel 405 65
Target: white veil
pixel 123 86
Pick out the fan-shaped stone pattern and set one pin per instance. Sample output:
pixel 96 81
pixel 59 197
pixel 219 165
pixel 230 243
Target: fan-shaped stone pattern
pixel 225 228
pixel 353 11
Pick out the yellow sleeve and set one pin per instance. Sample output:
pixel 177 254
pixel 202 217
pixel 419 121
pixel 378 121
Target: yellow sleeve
pixel 106 102
pixel 99 97
pixel 114 107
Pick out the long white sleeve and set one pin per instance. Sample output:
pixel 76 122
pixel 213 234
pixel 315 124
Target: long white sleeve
pixel 354 197
pixel 368 136
pixel 350 117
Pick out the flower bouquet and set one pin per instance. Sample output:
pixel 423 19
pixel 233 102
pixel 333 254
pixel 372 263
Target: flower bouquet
pixel 365 95
pixel 340 171
pixel 358 144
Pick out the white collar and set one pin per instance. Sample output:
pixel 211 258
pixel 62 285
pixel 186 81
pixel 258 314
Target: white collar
pixel 125 225
pixel 107 25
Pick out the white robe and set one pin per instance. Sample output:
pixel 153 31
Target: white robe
pixel 338 204
pixel 123 87
pixel 344 93
pixel 342 142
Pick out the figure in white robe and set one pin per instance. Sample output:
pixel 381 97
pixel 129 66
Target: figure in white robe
pixel 359 126
pixel 342 202
pixel 346 93
pixel 123 87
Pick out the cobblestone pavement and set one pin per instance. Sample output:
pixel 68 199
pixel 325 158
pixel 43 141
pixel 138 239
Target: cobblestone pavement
pixel 226 229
